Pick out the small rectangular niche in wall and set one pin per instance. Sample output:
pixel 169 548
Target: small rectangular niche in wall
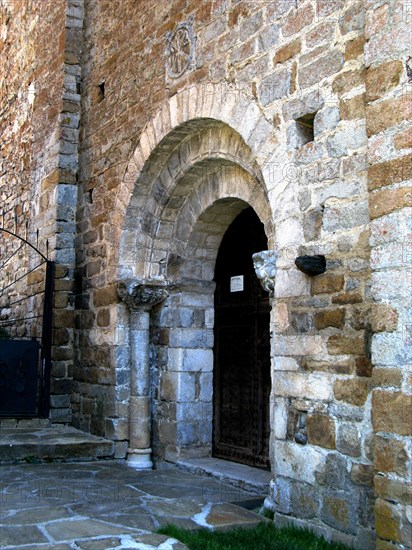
pixel 304 127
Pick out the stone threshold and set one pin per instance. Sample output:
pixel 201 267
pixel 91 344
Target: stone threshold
pixel 40 441
pixel 240 476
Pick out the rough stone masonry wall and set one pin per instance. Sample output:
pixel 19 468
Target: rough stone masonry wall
pixel 40 112
pixel 293 59
pixel 388 116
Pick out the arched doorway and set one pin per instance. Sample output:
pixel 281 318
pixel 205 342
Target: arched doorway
pixel 241 427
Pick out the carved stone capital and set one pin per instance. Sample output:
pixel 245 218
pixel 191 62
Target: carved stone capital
pixel 140 295
pixel 264 263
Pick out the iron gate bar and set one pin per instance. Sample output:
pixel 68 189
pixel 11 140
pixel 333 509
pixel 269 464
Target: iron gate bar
pixel 10 257
pixel 21 277
pixel 26 298
pixel 25 242
pixel 47 334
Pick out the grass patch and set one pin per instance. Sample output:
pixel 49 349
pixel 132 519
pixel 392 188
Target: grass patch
pixel 264 536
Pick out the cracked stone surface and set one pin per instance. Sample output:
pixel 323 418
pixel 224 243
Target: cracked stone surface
pixel 105 504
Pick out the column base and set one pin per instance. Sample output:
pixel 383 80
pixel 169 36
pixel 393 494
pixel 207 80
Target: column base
pixel 139 459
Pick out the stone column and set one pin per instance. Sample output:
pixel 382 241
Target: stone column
pixel 140 298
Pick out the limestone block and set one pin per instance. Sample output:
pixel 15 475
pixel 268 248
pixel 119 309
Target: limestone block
pixel 348 440
pixel 281 494
pixel 339 512
pixel 190 360
pixel 177 386
pixel 393 489
pixel 291 282
pixel 326 120
pixel 321 430
pixel 274 86
pixel 304 500
pixel 392 412
pixel 280 417
pixel 296 384
pixel 338 190
pixel 387 521
pixel 322 67
pixel 298 345
pixel 205 381
pixel 344 215
pixel 191 338
pixel 348 136
pixel 390 456
pixel 285 364
pixel 297 462
pixel 391 349
pixel 353 391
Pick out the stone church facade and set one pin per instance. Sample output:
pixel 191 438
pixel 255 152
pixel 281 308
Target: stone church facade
pixel 135 136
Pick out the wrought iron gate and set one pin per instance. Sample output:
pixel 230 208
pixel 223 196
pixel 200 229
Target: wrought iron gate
pixel 26 306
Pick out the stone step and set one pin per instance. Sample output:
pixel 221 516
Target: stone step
pixel 34 440
pixel 243 477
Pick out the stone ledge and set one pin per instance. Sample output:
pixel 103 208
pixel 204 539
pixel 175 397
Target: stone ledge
pixel 241 476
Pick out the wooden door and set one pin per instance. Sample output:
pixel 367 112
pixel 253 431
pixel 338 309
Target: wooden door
pixel 242 348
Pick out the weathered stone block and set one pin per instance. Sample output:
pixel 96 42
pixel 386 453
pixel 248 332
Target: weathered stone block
pixel 353 108
pixel 281 494
pixel 348 80
pixel 287 51
pixel 385 114
pixel 362 474
pixel 274 86
pixel 379 80
pixel 387 521
pixel 312 223
pixel 353 18
pixel 329 318
pixel 392 412
pixel 348 441
pixel 387 173
pixel 345 215
pixel 390 455
pixel 346 345
pixel 383 318
pixel 297 345
pixel 325 120
pixel 354 48
pixel 363 366
pixel 386 377
pixel 321 430
pixel 403 140
pixel 297 20
pixel 393 489
pixel 297 462
pixel 268 37
pixel 348 136
pixel 322 67
pixel 310 386
pixel 304 500
pixel 190 360
pixel 326 284
pixel 353 391
pixel 339 512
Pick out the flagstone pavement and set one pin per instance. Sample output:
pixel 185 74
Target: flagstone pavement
pixel 106 504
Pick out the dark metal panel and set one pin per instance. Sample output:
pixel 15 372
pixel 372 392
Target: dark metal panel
pixel 19 367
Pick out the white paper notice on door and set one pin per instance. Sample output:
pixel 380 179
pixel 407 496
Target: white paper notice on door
pixel 236 283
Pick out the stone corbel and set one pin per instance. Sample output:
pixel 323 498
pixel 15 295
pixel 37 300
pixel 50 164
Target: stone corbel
pixel 264 263
pixel 140 297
